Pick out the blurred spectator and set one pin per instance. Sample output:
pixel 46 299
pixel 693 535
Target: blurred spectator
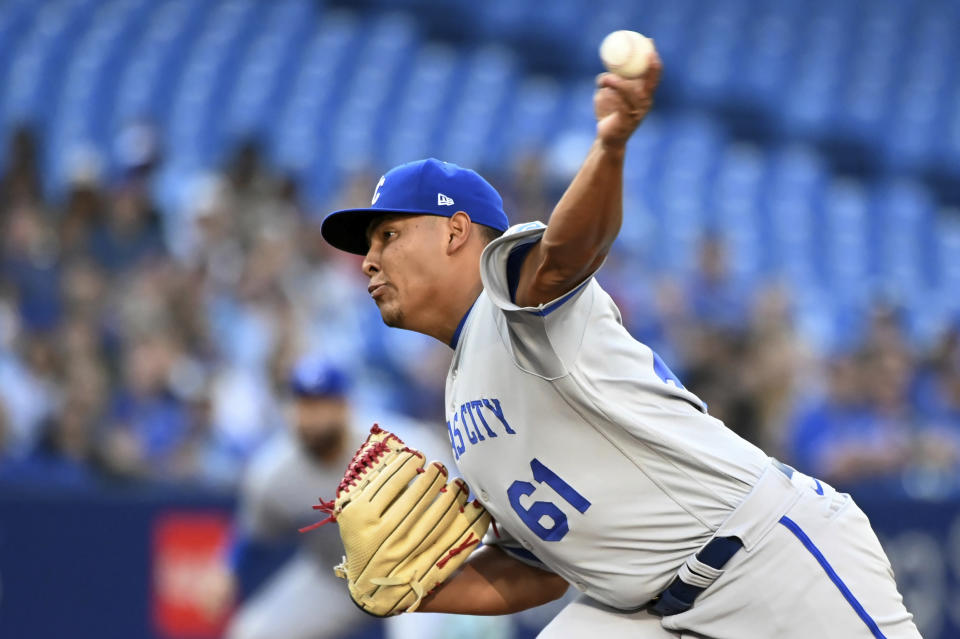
pixel 717 371
pixel 525 192
pixel 66 452
pixel 938 398
pixel 254 195
pixel 20 185
pixel 147 422
pixel 855 432
pixel 716 344
pixel 715 298
pixel 28 392
pixel 84 209
pixel 30 263
pixel 775 361
pixel 130 233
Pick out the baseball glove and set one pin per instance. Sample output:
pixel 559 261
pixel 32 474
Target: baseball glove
pixel 405 529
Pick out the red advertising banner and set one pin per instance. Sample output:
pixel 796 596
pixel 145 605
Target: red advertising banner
pixel 188 551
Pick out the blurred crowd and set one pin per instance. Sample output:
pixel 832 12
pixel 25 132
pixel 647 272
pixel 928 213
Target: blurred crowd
pixel 144 343
pixel 876 413
pixel 153 343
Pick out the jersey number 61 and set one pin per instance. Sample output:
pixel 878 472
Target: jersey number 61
pixel 533 515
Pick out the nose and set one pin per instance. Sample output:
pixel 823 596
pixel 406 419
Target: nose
pixel 371 262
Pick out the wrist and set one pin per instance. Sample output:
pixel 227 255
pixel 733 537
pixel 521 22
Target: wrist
pixel 615 149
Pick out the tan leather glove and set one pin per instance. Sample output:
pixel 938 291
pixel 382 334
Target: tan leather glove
pixel 405 528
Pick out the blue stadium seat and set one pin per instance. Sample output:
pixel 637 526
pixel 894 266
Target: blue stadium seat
pixel 260 86
pixel 377 75
pixel 489 78
pixel 529 121
pixel 846 208
pixel 299 132
pixel 421 109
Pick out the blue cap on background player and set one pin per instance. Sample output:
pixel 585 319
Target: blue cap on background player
pixel 316 377
pixel 424 187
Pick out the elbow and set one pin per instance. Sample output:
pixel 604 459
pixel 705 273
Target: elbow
pixel 558 588
pixel 547 587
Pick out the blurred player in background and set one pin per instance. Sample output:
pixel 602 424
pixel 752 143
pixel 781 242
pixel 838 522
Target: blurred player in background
pixel 303 600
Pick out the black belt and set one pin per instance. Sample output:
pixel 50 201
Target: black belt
pixel 679 595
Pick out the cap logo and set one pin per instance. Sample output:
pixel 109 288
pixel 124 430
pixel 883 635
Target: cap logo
pixel 443 200
pixel 376 191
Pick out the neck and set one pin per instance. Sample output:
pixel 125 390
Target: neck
pixel 458 305
pixel 455 288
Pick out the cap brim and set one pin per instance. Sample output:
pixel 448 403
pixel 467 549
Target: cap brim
pixel 347 229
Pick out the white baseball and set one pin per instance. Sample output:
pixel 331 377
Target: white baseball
pixel 626 53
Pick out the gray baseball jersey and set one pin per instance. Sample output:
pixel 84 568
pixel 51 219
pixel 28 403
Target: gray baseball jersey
pixel 303 599
pixel 280 485
pixel 593 459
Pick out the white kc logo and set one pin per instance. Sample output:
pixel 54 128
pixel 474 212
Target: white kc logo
pixel 376 191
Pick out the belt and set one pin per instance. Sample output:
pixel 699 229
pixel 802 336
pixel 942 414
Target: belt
pixel 681 593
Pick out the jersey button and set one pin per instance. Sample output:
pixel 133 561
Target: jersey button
pixel 483 495
pixel 453 375
pixel 582 587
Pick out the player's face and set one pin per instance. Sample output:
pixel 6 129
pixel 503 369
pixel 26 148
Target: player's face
pixel 404 263
pixel 321 424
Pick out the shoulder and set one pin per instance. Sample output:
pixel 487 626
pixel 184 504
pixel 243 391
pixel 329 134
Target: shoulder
pixel 495 268
pixel 514 236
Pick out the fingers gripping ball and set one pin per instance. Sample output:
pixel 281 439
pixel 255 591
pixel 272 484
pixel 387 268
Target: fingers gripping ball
pixel 405 528
pixel 626 53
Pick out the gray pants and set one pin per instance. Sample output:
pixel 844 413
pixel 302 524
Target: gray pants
pixel 302 601
pixel 781 588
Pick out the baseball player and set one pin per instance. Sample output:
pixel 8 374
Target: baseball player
pixel 599 468
pixel 302 600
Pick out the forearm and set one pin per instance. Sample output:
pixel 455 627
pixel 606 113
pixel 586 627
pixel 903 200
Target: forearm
pixel 493 583
pixel 587 218
pixel 581 229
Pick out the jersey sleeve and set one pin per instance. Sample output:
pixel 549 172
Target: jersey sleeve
pixel 544 339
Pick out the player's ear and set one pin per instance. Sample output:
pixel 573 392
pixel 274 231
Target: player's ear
pixel 459 230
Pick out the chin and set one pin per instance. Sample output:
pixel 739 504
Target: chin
pixel 392 317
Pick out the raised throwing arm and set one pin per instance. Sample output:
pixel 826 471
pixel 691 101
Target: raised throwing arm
pixel 587 218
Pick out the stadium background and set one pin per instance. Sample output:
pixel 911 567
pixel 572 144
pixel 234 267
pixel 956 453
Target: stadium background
pixel 791 246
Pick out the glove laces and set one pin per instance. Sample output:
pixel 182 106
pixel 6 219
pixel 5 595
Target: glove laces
pixel 360 464
pixel 326 507
pixel 411 581
pixel 456 550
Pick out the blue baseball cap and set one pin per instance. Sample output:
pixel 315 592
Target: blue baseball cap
pixel 316 377
pixel 424 187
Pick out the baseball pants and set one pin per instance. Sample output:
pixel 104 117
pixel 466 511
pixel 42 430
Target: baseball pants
pixel 819 573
